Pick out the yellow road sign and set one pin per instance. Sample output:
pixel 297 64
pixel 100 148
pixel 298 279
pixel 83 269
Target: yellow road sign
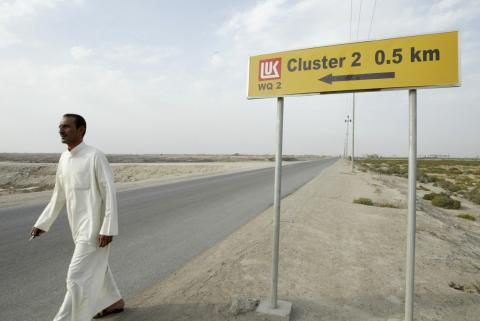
pixel 408 62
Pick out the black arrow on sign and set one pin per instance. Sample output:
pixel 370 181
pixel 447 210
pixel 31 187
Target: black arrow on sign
pixel 376 75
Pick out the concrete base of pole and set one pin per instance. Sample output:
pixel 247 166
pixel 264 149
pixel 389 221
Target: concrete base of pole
pixel 282 312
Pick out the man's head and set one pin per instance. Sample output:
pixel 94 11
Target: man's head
pixel 72 128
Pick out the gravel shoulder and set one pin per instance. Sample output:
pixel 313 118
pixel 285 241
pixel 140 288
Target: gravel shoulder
pixel 338 260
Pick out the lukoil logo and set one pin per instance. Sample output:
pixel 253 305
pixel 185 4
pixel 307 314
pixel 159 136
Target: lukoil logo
pixel 270 69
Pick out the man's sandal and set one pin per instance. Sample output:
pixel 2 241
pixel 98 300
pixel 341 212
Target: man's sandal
pixel 106 312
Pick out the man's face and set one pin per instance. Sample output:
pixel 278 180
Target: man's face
pixel 68 131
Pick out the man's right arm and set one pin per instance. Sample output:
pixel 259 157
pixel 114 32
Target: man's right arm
pixel 50 213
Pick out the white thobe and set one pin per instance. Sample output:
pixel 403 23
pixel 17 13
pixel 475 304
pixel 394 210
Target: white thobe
pixel 84 183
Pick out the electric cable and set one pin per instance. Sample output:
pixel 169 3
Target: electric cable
pixel 359 18
pixel 351 18
pixel 371 20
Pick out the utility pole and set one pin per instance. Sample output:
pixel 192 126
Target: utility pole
pixel 345 149
pixel 353 131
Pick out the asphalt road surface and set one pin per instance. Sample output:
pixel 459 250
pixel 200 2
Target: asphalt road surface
pixel 161 228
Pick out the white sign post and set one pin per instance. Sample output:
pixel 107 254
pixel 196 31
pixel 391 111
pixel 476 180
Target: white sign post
pixel 275 306
pixel 277 196
pixel 412 203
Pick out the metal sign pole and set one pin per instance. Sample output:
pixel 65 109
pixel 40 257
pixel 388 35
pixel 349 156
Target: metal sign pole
pixel 274 306
pixel 412 178
pixel 276 201
pixel 353 131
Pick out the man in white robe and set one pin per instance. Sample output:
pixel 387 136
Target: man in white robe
pixel 84 183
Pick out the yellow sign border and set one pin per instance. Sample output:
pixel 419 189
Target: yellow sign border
pixel 456 84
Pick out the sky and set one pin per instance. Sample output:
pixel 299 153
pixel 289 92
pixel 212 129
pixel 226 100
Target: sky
pixel 163 77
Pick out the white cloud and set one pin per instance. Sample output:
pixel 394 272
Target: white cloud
pixel 126 55
pixel 7 38
pixel 143 55
pixel 19 8
pixel 216 59
pixel 282 25
pixel 279 23
pixel 80 53
pixel 260 17
pixel 12 11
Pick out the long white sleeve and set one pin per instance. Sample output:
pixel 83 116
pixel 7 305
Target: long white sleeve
pixel 108 191
pixel 51 211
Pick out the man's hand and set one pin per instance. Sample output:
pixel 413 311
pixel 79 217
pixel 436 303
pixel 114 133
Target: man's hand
pixel 36 232
pixel 104 240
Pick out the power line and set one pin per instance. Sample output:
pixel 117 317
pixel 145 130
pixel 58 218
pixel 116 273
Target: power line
pixel 350 38
pixel 351 18
pixel 359 17
pixel 371 20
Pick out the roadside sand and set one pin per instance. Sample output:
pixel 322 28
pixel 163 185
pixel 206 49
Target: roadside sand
pixel 338 260
pixel 31 183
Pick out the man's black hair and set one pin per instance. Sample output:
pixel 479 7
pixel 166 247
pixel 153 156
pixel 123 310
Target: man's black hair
pixel 79 121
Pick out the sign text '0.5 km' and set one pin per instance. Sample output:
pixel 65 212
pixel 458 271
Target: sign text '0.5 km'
pixel 408 62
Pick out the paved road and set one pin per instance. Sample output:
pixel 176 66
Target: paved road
pixel 162 228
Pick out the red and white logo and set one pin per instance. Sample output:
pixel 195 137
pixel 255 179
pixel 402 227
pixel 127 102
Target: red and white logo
pixel 270 69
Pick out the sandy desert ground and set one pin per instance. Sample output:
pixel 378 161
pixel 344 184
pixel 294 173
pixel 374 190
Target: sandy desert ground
pixel 27 183
pixel 338 261
pixel 28 178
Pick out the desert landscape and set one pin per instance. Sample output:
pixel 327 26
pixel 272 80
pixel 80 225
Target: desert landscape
pixel 226 124
pixel 343 239
pixel 27 178
pixel 339 259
